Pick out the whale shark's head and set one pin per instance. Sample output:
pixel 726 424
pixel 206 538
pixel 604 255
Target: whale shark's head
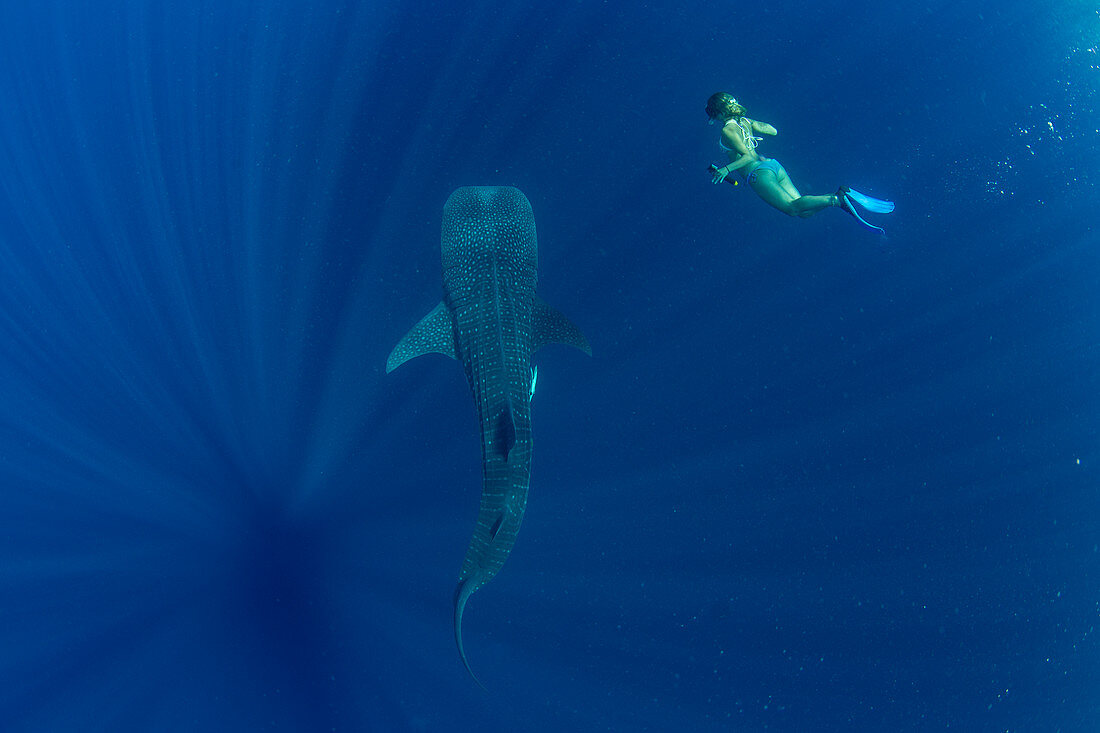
pixel 488 218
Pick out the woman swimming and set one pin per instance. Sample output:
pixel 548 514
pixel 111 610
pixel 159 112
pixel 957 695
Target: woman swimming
pixel 766 176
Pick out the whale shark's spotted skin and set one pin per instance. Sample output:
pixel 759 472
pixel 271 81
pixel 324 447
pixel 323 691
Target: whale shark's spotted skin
pixel 491 320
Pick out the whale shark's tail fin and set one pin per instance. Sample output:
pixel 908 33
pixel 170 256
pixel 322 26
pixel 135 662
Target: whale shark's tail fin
pixel 462 594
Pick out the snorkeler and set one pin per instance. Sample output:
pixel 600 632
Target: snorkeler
pixel 766 176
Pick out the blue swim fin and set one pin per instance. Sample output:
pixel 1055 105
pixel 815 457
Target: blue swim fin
pixel 876 206
pixel 845 196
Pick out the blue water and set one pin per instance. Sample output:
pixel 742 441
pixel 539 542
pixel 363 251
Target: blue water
pixel 811 480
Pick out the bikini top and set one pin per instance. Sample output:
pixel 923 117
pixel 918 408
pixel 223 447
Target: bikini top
pixel 746 133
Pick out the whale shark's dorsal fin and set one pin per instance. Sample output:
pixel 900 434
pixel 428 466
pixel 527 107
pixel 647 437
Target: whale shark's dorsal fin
pixel 433 334
pixel 497 524
pixel 505 431
pixel 552 327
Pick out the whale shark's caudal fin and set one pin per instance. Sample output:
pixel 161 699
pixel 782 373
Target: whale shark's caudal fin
pixel 462 594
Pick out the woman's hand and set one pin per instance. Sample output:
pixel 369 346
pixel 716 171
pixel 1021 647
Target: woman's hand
pixel 720 174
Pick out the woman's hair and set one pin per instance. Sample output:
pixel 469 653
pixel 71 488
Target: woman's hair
pixel 723 105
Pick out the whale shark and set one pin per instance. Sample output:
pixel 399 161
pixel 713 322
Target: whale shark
pixel 491 320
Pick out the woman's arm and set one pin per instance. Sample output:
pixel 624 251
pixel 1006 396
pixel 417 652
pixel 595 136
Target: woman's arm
pixel 738 161
pixel 739 154
pixel 763 128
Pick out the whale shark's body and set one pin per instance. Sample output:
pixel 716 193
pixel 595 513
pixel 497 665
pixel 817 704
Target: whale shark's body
pixel 491 320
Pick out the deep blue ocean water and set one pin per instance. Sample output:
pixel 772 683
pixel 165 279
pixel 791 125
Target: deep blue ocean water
pixel 811 480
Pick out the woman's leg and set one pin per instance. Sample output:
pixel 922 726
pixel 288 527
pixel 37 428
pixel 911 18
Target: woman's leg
pixel 779 191
pixel 766 185
pixel 805 206
pixel 786 183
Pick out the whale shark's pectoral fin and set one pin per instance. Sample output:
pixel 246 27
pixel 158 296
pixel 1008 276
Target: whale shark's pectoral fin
pixel 434 334
pixel 552 327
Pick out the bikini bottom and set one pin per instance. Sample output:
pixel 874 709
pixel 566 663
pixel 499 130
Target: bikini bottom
pixel 771 164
